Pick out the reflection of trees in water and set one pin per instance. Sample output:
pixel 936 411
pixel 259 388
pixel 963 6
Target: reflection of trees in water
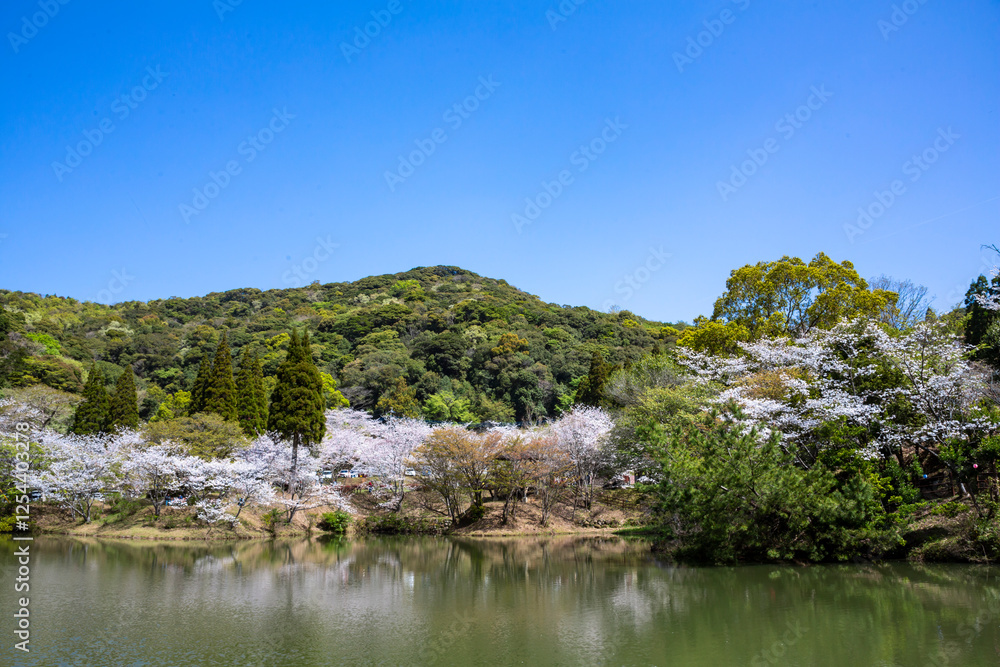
pixel 589 598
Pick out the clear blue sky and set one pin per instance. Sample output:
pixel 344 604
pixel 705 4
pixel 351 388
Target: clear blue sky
pixel 197 86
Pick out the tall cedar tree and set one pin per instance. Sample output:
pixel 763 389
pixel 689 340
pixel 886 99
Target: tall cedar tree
pixel 251 399
pixel 124 403
pixel 199 390
pixel 591 389
pixel 297 402
pixel 93 414
pixel 220 393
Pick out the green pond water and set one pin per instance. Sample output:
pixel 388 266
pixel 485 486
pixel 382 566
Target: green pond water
pixel 440 601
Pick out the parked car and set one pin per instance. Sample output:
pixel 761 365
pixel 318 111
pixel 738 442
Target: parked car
pixel 410 472
pixel 344 473
pixel 326 474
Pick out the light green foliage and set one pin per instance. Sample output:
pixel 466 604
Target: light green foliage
pixel 205 435
pixel 176 405
pixel 444 406
pixel 51 344
pixel 790 296
pixel 334 399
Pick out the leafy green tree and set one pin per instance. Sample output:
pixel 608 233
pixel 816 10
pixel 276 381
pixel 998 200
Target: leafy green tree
pixel 297 409
pixel 220 392
pixel 790 297
pixel 176 405
pixel 400 400
pixel 124 403
pixel 251 401
pixel 334 399
pixel 93 414
pixel 444 406
pixel 204 435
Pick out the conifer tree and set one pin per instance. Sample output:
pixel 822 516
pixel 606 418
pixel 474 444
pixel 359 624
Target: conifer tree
pixel 297 402
pixel 124 403
pixel 591 389
pixel 92 415
pixel 251 399
pixel 220 391
pixel 199 390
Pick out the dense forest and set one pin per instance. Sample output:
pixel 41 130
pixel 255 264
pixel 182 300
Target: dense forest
pixel 440 342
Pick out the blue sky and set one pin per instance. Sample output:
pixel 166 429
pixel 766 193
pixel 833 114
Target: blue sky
pixel 174 149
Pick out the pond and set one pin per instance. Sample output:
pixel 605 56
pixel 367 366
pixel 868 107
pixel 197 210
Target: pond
pixel 452 601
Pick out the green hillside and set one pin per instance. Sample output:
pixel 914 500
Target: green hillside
pixel 458 343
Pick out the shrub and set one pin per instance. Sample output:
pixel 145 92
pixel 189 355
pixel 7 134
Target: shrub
pixel 335 522
pixel 270 519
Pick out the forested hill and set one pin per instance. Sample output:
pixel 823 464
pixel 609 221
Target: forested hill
pixel 455 343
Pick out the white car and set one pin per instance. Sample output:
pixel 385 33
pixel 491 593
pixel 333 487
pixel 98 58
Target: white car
pixel 344 473
pixel 410 472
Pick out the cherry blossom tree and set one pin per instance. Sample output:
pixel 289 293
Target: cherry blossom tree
pixel 80 469
pixel 583 434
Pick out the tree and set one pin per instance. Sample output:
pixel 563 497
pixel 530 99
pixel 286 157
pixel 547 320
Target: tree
pixel 158 472
pixel 220 390
pixel 124 403
pixel 205 435
pixel 400 400
pixel 982 328
pixel 790 297
pixel 444 406
pixel 251 400
pixel 438 469
pixel 297 403
pixel 334 398
pixel 908 309
pixel 582 435
pixel 199 389
pixel 80 468
pixel 731 494
pixel 591 389
pixel 93 414
pixel 12 354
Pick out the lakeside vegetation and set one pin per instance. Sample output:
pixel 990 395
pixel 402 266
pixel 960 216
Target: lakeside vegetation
pixel 816 416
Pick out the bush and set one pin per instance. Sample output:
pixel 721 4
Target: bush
pixel 394 524
pixel 335 522
pixel 950 509
pixel 270 519
pixel 728 496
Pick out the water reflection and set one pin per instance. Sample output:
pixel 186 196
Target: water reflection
pixel 555 600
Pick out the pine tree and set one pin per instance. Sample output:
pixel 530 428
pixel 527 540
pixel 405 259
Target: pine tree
pixel 251 400
pixel 220 392
pixel 591 389
pixel 297 403
pixel 199 389
pixel 124 403
pixel 92 415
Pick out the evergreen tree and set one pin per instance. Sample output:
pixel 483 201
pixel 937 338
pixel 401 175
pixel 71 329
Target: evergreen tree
pixel 297 402
pixel 124 403
pixel 220 392
pixel 199 390
pixel 982 328
pixel 93 414
pixel 591 389
pixel 251 399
